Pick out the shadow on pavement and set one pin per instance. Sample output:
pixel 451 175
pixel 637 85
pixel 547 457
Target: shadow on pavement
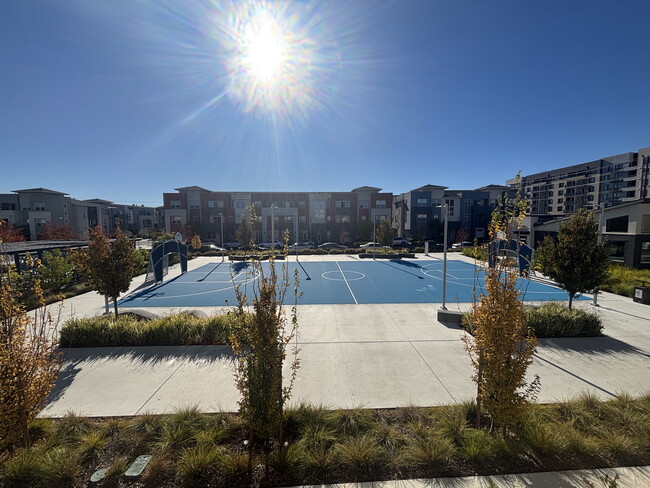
pixel 604 345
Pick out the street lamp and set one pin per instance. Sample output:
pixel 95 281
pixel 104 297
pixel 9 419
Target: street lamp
pixel 272 227
pixel 444 257
pixel 221 223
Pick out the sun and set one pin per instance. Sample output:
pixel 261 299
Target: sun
pixel 265 50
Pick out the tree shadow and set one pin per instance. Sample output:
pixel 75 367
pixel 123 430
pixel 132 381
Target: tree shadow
pixel 603 345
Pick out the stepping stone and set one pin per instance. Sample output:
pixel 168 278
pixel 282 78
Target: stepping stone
pixel 98 475
pixel 137 467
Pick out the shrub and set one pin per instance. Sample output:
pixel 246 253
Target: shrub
pixel 360 454
pixel 179 329
pixel 622 280
pixel 478 253
pixel 557 320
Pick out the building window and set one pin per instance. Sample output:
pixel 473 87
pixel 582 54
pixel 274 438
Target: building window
pixel 422 217
pixel 342 203
pixel 421 202
pixel 467 217
pixel 342 219
pixel 617 224
pixel 195 218
pixel 450 212
pixel 380 204
pixel 436 202
pixel 559 209
pixel 215 203
pixel 240 204
pixel 25 206
pixel 479 202
pixel 302 218
pixel 301 204
pixel 364 204
pixel 174 204
pixel 39 207
pixel 468 201
pixel 195 204
pixel 258 203
pixel 319 213
pixel 176 219
pixel 645 224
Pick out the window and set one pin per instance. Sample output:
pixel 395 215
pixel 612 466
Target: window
pixel 363 204
pixel 343 204
pixel 468 201
pixel 240 204
pixel 195 218
pixel 319 204
pixel 421 202
pixel 39 207
pixel 302 204
pixel 617 224
pixel 561 185
pixel 319 213
pixel 215 203
pixel 645 223
pixel 450 212
pixel 380 203
pixel 422 217
pixel 302 218
pixel 559 209
pixel 342 219
pixel 561 192
pixel 174 204
pixel 467 217
pixel 436 202
pixel 25 206
pixel 479 202
pixel 450 203
pixel 176 219
pixel 214 219
pixel 195 204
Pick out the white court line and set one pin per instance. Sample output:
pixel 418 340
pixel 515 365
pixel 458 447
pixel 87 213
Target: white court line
pixel 346 282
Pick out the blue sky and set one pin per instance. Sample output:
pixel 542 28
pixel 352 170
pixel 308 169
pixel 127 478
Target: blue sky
pixel 125 100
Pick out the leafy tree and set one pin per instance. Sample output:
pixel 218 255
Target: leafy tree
pixel 29 361
pixel 10 233
pixel 196 242
pixel 462 234
pixel 56 271
pixel 108 267
pixel 364 230
pixel 245 233
pixel 576 261
pixel 260 341
pixel 502 345
pixel 385 233
pixel 51 232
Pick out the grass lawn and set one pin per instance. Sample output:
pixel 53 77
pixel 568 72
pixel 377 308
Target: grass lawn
pixel 325 446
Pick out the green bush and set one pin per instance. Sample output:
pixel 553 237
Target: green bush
pixel 478 253
pixel 174 330
pixel 557 320
pixel 622 280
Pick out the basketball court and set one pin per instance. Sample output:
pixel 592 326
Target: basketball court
pixel 332 282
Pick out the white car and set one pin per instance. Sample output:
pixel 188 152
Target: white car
pixel 302 245
pixel 270 245
pixel 370 245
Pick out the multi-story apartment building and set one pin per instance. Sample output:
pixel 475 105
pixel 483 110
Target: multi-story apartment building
pixel 319 216
pixel 611 181
pixel 419 213
pixel 31 209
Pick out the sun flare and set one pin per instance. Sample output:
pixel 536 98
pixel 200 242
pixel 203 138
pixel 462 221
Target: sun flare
pixel 265 51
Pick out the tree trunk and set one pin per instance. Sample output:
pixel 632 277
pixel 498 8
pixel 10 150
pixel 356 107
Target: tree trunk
pixel 570 300
pixel 479 375
pixel 115 305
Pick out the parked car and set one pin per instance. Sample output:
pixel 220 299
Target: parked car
pixel 232 245
pixel 331 245
pixel 370 245
pixel 209 246
pixel 401 242
pixel 270 245
pixel 457 246
pixel 302 245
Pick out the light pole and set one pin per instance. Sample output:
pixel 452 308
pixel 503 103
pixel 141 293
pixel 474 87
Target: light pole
pixel 374 234
pixel 272 227
pixel 221 224
pixel 295 233
pixel 444 257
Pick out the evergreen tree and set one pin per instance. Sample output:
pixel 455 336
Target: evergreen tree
pixel 245 233
pixel 385 233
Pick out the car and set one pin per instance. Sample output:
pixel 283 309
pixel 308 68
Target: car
pixel 371 245
pixel 457 246
pixel 302 245
pixel 270 245
pixel 401 242
pixel 208 246
pixel 331 245
pixel 232 245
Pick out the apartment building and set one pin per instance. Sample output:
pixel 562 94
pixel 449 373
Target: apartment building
pixel 610 181
pixel 319 216
pixel 419 213
pixel 31 209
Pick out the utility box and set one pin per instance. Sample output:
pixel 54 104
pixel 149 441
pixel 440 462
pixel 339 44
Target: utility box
pixel 642 294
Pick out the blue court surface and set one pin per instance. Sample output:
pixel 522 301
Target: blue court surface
pixel 342 282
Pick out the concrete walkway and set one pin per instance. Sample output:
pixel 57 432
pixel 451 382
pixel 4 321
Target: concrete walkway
pixel 383 355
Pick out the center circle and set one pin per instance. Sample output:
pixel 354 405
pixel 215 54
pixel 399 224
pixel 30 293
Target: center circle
pixel 336 275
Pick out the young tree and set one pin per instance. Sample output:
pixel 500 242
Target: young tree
pixel 364 230
pixel 56 271
pixel 10 233
pixel 53 232
pixel 196 242
pixel 502 345
pixel 245 233
pixel 385 233
pixel 29 361
pixel 109 268
pixel 260 341
pixel 576 261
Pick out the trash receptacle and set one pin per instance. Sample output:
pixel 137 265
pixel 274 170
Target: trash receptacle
pixel 642 294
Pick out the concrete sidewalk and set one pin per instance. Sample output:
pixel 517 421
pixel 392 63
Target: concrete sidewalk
pixel 632 477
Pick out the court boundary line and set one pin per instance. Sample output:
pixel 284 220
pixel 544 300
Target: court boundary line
pixel 346 282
